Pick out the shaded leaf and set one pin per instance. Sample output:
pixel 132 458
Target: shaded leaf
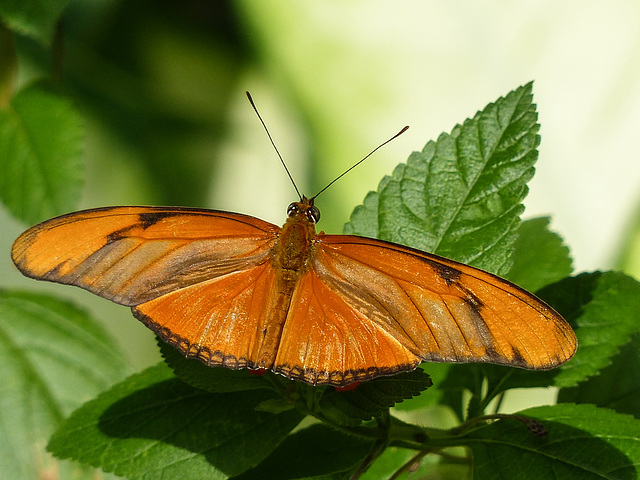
pixel 316 451
pixel 540 256
pixel 53 357
pixel 211 379
pixel 41 140
pixel 461 196
pixel 603 309
pixel 582 442
pixel 153 425
pixel 373 398
pixel 617 386
pixel 37 19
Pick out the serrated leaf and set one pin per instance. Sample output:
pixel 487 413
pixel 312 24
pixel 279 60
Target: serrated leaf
pixel 438 373
pixel 36 19
pixel 461 196
pixel 373 398
pixel 617 386
pixel 314 452
pixel 153 425
pixel 53 357
pixel 540 256
pixel 582 441
pixel 211 379
pixel 41 140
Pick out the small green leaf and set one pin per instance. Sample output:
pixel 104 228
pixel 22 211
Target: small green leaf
pixel 41 140
pixel 52 358
pixel 438 373
pixel 371 399
pixel 153 425
pixel 461 196
pixel 36 19
pixel 540 256
pixel 211 379
pixel 616 386
pixel 582 441
pixel 314 452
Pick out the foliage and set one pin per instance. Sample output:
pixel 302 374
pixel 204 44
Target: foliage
pixel 461 197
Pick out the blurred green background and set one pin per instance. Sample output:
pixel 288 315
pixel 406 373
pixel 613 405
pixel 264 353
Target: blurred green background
pixel 161 87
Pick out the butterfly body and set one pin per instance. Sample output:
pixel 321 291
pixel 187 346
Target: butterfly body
pixel 235 291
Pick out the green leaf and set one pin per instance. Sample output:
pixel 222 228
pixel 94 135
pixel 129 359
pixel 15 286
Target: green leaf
pixel 373 398
pixel 35 18
pixel 461 196
pixel 603 309
pixel 582 441
pixel 40 154
pixel 153 425
pixel 540 256
pixel 52 358
pixel 211 379
pixel 616 386
pixel 310 453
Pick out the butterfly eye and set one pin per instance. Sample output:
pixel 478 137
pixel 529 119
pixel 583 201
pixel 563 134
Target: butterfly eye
pixel 313 214
pixel 292 209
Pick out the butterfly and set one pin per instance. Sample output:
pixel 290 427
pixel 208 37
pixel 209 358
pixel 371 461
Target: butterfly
pixel 235 291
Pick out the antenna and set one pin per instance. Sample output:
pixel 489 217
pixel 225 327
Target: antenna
pixel 358 163
pixel 335 179
pixel 273 143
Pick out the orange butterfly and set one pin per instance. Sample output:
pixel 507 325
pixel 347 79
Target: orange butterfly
pixel 233 290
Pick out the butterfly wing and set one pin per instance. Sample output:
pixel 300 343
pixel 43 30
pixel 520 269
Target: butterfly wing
pixel 132 255
pixel 201 279
pixel 328 339
pixel 383 308
pixel 205 282
pixel 220 321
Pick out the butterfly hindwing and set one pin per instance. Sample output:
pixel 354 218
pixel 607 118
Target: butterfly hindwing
pixel 326 340
pixel 221 321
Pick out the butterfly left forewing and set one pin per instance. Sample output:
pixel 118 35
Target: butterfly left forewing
pixel 441 310
pixel 133 254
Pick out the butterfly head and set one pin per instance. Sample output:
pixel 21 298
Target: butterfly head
pixel 304 208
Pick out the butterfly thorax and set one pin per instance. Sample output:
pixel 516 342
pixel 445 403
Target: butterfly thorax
pixel 295 239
